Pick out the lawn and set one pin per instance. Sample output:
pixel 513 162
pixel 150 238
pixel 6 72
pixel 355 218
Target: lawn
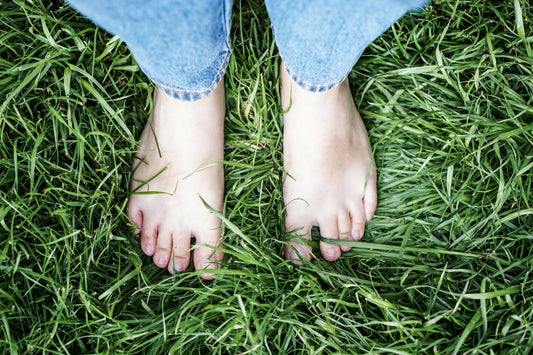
pixel 444 267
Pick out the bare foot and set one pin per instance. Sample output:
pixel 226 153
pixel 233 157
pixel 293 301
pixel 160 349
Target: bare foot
pixel 331 181
pixel 171 171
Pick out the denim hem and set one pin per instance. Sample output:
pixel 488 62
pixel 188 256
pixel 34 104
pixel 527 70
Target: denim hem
pixel 184 95
pixel 303 84
pixel 310 87
pixel 188 95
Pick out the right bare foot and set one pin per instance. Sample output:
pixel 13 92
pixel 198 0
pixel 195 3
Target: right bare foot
pixel 331 180
pixel 171 172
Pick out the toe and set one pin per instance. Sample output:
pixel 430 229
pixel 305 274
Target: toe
pixel 181 245
pixel 163 248
pixel 296 251
pixel 297 228
pixel 329 229
pixel 358 221
pixel 205 256
pixel 136 216
pixel 345 228
pixel 148 238
pixel 370 200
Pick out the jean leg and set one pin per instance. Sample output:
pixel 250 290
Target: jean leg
pixel 181 45
pixel 321 40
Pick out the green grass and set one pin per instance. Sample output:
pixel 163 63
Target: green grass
pixel 445 267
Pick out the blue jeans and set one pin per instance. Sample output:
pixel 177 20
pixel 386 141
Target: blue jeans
pixel 183 46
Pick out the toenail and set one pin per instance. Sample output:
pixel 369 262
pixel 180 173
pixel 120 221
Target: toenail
pixel 300 252
pixel 208 265
pixel 149 249
pixel 331 252
pixel 357 235
pixel 290 254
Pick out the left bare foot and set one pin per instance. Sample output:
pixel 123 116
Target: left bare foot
pixel 176 165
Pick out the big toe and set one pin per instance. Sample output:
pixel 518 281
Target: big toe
pixel 135 215
pixel 329 229
pixel 295 252
pixel 206 257
pixel 299 228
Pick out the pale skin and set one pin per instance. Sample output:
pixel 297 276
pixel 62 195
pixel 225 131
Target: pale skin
pixel 190 137
pixel 330 181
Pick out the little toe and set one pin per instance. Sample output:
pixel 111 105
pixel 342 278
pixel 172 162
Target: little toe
pixel 163 248
pixel 358 221
pixel 329 229
pixel 370 200
pixel 345 228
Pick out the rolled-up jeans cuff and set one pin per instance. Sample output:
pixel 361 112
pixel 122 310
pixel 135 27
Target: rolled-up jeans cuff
pixel 311 87
pixel 321 40
pixel 190 95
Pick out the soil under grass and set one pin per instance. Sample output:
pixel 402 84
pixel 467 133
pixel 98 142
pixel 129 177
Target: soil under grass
pixel 444 267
